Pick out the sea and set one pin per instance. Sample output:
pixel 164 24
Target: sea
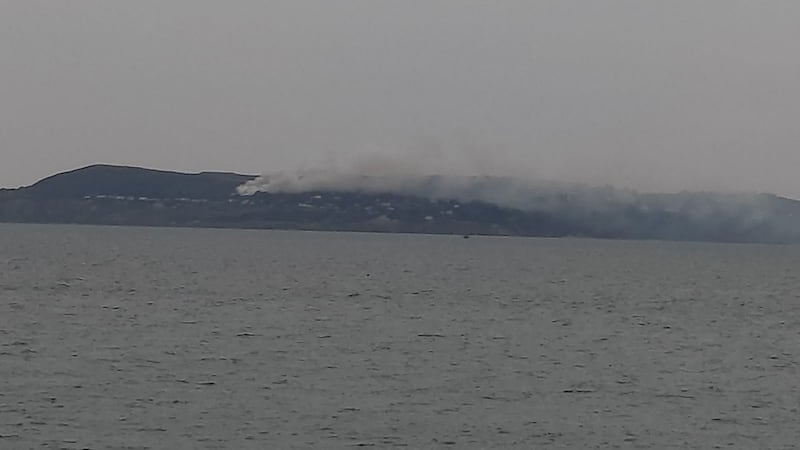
pixel 158 338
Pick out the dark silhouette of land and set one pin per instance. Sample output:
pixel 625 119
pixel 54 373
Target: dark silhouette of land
pixel 116 195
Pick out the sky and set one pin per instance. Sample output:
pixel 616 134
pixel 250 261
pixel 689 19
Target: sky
pixel 649 95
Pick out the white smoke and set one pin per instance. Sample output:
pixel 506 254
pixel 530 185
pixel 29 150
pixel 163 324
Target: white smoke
pixel 502 191
pixel 321 180
pixel 615 209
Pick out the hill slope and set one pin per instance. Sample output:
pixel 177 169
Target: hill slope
pixel 101 179
pixel 103 194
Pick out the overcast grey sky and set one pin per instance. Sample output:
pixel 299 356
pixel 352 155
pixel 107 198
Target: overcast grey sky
pixel 654 95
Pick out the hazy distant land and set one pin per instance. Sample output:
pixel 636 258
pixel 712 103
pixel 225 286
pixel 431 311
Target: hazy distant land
pixel 117 195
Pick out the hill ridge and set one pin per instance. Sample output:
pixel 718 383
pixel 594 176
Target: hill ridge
pixel 129 195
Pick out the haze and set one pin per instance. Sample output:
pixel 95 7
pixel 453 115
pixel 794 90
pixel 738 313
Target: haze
pixel 656 96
